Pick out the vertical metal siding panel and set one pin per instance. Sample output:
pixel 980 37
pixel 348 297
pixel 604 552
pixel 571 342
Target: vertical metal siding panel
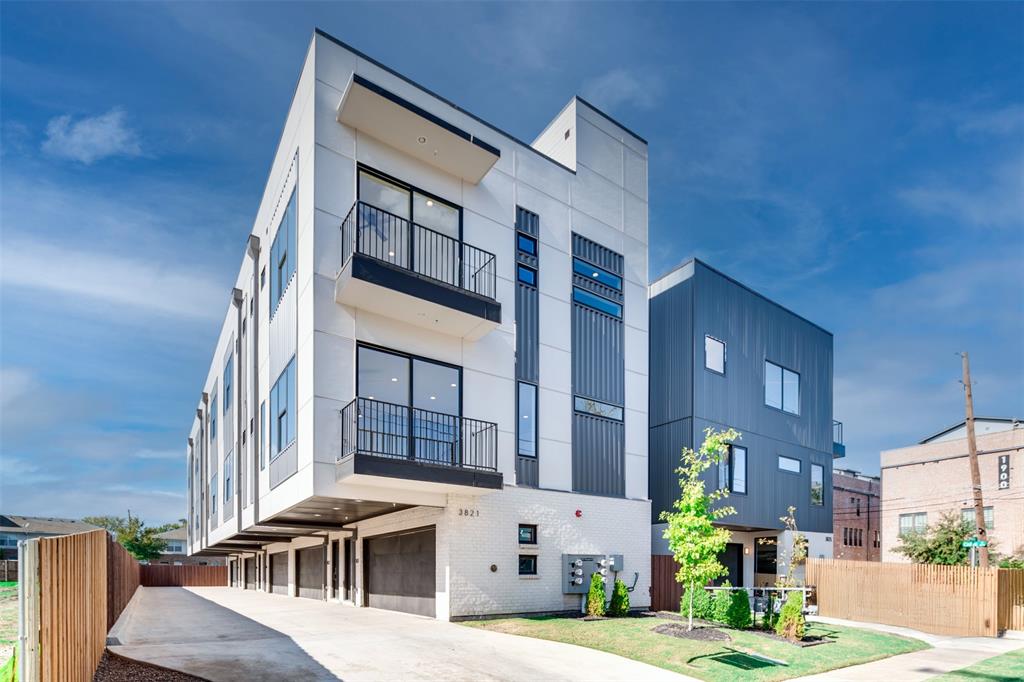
pixel 666 443
pixel 527 334
pixel 527 471
pixel 598 456
pixel 672 354
pixel 598 356
pixel 597 254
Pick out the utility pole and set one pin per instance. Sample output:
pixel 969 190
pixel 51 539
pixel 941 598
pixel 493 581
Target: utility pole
pixel 972 450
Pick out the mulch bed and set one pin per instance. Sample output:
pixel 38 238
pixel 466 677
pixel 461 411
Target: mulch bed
pixel 114 668
pixel 704 634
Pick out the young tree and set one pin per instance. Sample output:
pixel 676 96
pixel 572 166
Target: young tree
pixel 940 543
pixel 132 534
pixel 795 557
pixel 692 536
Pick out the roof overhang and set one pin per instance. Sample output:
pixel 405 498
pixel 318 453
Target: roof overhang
pixel 415 131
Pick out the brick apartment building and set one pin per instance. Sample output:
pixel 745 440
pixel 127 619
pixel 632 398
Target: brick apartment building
pixel 856 516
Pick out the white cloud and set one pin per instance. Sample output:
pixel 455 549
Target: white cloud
pixel 91 139
pixel 993 201
pixel 147 453
pixel 117 280
pixel 1003 121
pixel 611 90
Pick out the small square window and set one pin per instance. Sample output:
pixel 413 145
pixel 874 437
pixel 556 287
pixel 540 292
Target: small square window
pixel 527 564
pixel 714 354
pixel 789 464
pixel 526 275
pixel 527 534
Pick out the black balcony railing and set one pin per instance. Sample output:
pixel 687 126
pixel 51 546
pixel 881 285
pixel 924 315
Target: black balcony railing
pixel 374 427
pixel 837 431
pixel 374 232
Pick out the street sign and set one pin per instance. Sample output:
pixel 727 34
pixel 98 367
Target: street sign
pixel 974 543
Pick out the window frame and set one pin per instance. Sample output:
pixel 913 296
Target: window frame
pixel 532 527
pixel 535 563
pixel 913 516
pixel 276 446
pixel 583 293
pixel 411 190
pixel 821 500
pixel 411 358
pixel 529 238
pixel 618 409
pixel 799 465
pixel 967 515
pixel 586 269
pixel 520 269
pixel 782 388
pixel 519 418
pixel 729 469
pixel 725 356
pixel 282 256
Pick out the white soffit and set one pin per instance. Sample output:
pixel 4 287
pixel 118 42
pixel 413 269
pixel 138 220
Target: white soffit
pixel 415 131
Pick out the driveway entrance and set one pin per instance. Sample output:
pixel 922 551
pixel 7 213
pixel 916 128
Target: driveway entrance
pixel 225 634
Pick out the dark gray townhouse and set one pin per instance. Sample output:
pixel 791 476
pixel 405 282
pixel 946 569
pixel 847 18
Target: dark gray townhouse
pixel 722 355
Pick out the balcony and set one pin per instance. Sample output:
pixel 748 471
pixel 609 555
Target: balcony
pixel 397 268
pixel 381 440
pixel 838 449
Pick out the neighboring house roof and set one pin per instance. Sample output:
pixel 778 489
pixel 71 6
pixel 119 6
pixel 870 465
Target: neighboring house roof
pixel 173 534
pixel 42 525
pixel 993 424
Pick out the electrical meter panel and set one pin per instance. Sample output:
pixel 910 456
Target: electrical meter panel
pixel 577 569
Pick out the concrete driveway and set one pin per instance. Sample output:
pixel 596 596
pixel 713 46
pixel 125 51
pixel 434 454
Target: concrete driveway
pixel 222 634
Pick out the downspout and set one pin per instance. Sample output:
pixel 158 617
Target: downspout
pixel 204 519
pixel 254 331
pixel 236 300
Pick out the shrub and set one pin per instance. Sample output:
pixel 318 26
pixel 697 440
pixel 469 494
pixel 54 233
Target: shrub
pixel 791 618
pixel 620 600
pixel 721 603
pixel 737 613
pixel 595 597
pixel 702 605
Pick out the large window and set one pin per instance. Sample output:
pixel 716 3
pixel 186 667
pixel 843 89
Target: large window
pixel 527 426
pixel 781 388
pixel 282 411
pixel 263 435
pixel 714 354
pixel 732 470
pixel 282 255
pixel 228 381
pixel 817 484
pixel 916 522
pixel 967 515
pixel 789 464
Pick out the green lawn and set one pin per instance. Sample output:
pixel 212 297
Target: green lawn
pixel 8 620
pixel 1006 668
pixel 714 661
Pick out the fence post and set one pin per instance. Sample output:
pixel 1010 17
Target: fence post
pixel 28 611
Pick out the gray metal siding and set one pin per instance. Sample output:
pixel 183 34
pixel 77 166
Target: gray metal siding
pixel 527 471
pixel 666 443
pixel 671 354
pixel 598 456
pixel 754 330
pixel 597 254
pixel 598 357
pixel 527 333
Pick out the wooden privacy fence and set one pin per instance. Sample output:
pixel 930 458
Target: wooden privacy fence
pixel 8 570
pixel 74 588
pixel 944 600
pixel 665 591
pixel 164 575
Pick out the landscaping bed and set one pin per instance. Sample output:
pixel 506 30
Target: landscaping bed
pixel 751 654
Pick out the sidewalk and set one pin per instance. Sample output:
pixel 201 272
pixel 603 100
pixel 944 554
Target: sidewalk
pixel 947 654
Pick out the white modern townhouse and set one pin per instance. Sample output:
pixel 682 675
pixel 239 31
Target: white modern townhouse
pixel 429 393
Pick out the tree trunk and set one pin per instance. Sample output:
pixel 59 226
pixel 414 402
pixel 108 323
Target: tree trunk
pixel 689 625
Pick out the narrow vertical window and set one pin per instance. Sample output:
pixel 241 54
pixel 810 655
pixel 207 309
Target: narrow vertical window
pixel 527 422
pixel 732 470
pixel 263 435
pixel 818 485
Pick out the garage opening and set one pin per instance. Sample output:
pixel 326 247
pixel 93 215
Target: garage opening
pixel 250 573
pixel 279 573
pixel 399 571
pixel 309 572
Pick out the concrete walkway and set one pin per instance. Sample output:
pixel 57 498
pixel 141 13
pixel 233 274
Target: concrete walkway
pixel 226 634
pixel 947 654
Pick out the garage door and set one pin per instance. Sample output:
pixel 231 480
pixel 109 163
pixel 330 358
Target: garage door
pixel 250 573
pixel 279 573
pixel 309 568
pixel 400 572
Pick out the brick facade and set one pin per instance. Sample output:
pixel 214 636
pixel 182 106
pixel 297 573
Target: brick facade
pixel 856 513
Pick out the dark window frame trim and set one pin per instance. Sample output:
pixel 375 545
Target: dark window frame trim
pixel 275 267
pixel 410 357
pixel 622 308
pixel 778 463
pixel 276 429
pixel 725 355
pixel 536 417
pixel 412 189
pixel 811 488
pixel 622 280
pixel 764 389
pixel 531 238
pixel 579 396
pixel 536 565
pixel 536 275
pixel 732 468
pixel 533 526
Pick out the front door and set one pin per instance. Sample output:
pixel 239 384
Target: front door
pixel 732 559
pixel 347 573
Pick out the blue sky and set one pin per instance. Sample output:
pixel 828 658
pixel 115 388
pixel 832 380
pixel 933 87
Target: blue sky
pixel 861 164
